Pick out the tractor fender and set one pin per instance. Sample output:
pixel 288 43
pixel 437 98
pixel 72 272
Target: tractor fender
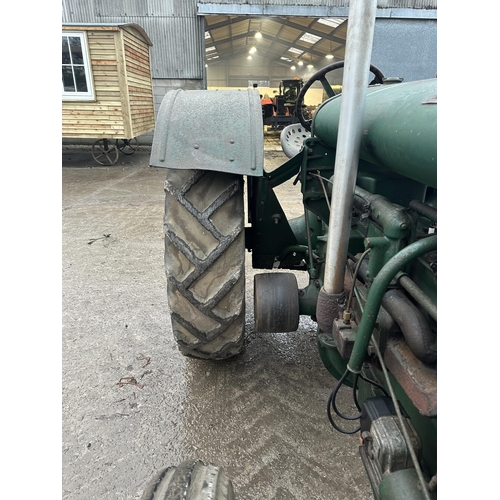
pixel 219 130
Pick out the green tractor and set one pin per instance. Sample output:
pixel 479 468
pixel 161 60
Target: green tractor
pixel 367 172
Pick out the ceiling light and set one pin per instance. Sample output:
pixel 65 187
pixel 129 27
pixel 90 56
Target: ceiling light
pixel 310 66
pixel 253 50
pixel 329 56
pixel 249 57
pixel 300 63
pixel 293 68
pixel 258 34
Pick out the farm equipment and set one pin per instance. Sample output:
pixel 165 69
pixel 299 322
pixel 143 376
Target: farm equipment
pixel 367 239
pixel 286 113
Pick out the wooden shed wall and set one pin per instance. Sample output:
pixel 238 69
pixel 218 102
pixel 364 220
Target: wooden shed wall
pixel 139 84
pixel 123 106
pixel 104 116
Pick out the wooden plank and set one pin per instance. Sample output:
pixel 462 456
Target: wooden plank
pixel 136 53
pixel 102 119
pixel 138 69
pixel 101 44
pixel 91 29
pixel 96 118
pixel 106 81
pixel 142 81
pixel 147 90
pixel 122 77
pixel 103 55
pixel 134 39
pixel 138 72
pixel 107 129
pixel 137 57
pixel 95 111
pixel 96 129
pixel 103 87
pixel 137 45
pixel 143 88
pixel 103 62
pixel 142 100
pixel 143 117
pixel 104 96
pixel 92 105
pixel 143 112
pixel 143 130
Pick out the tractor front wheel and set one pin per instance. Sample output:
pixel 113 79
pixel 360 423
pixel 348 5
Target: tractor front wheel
pixel 191 480
pixel 205 261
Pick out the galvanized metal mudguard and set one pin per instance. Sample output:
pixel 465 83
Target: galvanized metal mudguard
pixel 219 130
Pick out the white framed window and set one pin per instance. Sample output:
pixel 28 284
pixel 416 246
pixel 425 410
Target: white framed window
pixel 76 74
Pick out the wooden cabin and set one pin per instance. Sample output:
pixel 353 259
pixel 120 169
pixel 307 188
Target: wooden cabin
pixel 106 76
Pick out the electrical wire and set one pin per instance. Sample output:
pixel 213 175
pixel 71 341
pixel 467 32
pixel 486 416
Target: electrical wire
pixel 331 404
pixel 376 384
pixel 354 390
pixel 323 186
pixel 416 464
pixel 356 269
pixel 332 399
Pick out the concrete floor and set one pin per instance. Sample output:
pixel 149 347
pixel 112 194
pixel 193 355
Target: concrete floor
pixel 261 416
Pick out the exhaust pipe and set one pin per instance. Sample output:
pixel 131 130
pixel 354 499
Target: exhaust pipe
pixel 359 44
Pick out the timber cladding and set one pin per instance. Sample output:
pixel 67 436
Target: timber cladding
pixel 123 105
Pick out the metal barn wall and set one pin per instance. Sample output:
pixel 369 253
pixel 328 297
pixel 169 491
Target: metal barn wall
pixel 406 48
pixel 309 8
pixel 412 4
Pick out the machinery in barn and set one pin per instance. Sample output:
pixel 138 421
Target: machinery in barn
pixel 285 111
pixel 368 241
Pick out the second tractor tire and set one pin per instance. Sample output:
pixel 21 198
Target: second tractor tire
pixel 190 480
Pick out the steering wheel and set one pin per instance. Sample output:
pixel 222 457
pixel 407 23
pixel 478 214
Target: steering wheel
pixel 321 76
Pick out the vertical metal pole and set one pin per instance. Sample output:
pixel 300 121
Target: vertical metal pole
pixel 359 42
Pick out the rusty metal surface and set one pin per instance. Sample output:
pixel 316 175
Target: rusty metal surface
pixel 418 380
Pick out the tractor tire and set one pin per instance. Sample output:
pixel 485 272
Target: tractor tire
pixel 205 261
pixel 191 480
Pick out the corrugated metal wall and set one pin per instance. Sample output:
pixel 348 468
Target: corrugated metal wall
pixel 383 4
pixel 173 26
pixel 177 32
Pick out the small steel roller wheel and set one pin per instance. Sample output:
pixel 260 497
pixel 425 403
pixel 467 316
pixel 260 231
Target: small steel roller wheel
pixel 191 480
pixel 127 146
pixel 104 152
